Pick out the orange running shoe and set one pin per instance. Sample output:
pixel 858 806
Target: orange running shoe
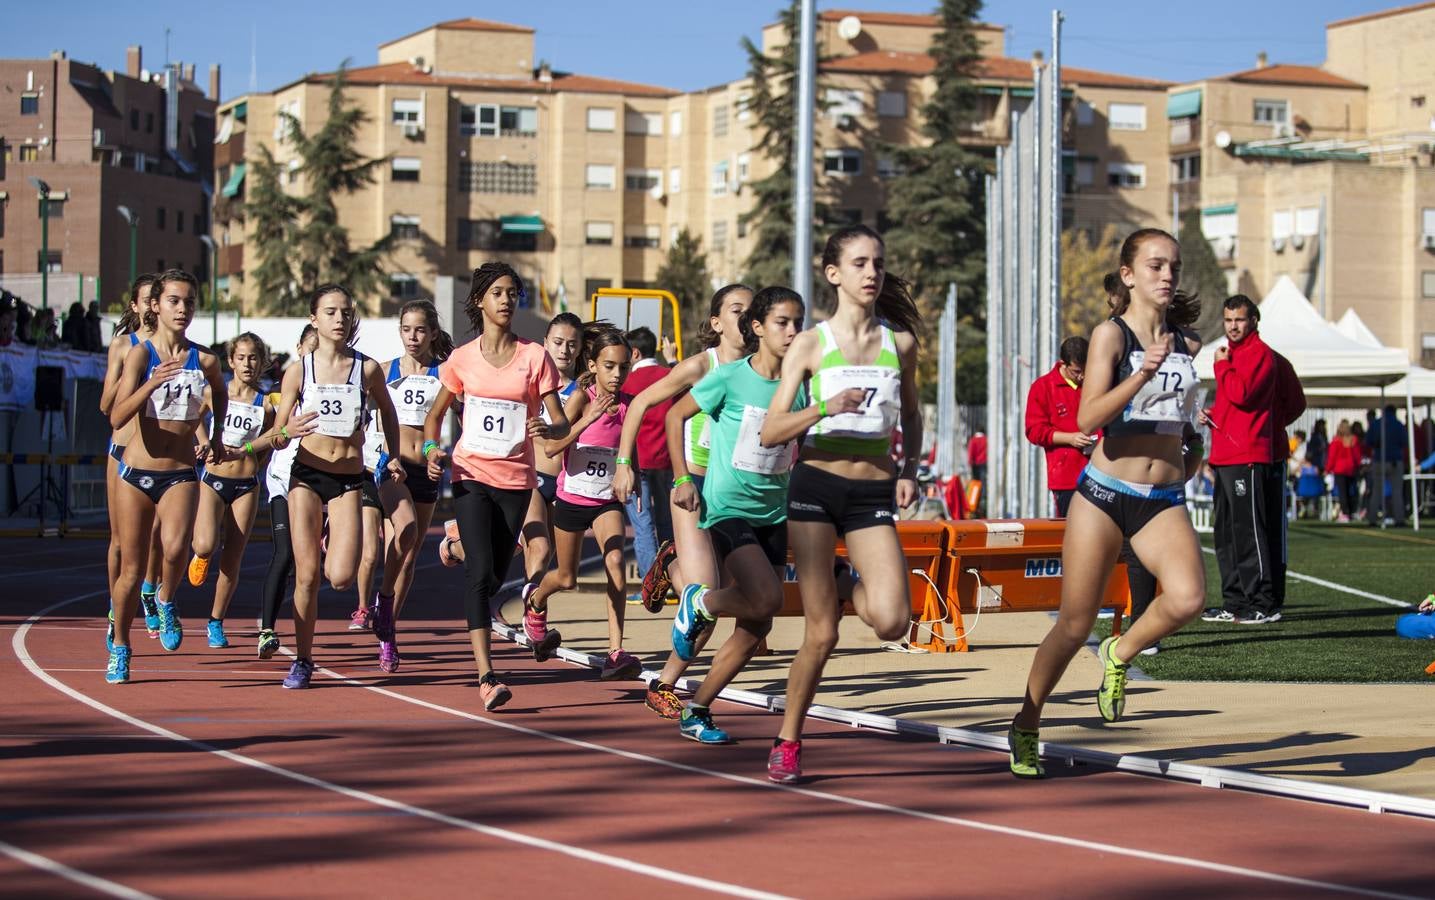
pixel 198 570
pixel 656 582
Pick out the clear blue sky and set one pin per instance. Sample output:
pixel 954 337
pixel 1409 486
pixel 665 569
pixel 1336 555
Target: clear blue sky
pixel 674 43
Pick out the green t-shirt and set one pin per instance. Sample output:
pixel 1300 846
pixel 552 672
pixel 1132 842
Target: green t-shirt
pixel 745 480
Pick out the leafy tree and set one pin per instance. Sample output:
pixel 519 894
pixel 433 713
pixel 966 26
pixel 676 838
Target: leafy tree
pixel 273 217
pixel 685 272
pixel 1084 266
pixel 1201 272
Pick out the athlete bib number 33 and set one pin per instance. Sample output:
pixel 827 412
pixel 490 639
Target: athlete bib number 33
pixel 337 406
pixel 493 427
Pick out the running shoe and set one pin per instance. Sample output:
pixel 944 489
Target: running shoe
pixel 696 724
pixel 656 582
pixel 784 763
pixel 198 570
pixel 689 623
pixel 663 700
pixel 493 692
pixel 150 604
pixel 110 632
pixel 1025 752
pixel 217 638
pixel 541 638
pixel 620 664
pixel 268 643
pixel 361 619
pixel 170 633
pixel 118 670
pixel 1258 618
pixel 1152 650
pixel 299 674
pixel 1111 696
pixel 1217 614
pixel 383 617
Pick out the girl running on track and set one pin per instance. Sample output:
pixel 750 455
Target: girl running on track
pixel 503 381
pixel 413 386
pixel 585 495
pixel 745 499
pixel 338 383
pixel 689 559
pixel 276 481
pixel 163 385
pixel 860 366
pixel 1140 390
pixel 129 331
pixel 228 504
pixel 371 517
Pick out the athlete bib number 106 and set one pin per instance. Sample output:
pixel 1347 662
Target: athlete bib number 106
pixel 493 427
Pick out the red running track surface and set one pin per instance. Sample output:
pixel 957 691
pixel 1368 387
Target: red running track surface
pixel 204 777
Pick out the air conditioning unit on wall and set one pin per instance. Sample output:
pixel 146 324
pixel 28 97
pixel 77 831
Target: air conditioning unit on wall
pixel 1278 245
pixel 1429 242
pixel 1298 241
pixel 412 130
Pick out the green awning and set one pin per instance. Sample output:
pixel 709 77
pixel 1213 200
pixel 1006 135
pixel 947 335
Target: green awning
pixel 1186 103
pixel 241 112
pixel 1219 210
pixel 990 90
pixel 236 180
pixel 1066 93
pixel 521 224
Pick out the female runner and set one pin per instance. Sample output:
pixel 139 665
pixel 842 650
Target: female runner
pixel 863 382
pixel 503 381
pixel 689 559
pixel 585 494
pixel 338 383
pixel 163 385
pixel 1141 390
pixel 744 505
pixel 232 500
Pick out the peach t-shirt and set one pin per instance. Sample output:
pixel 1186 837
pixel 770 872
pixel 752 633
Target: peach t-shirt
pixel 493 446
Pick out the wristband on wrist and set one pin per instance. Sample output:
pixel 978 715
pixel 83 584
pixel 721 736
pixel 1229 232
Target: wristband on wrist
pixel 249 447
pixel 822 408
pixel 429 447
pixel 284 430
pixel 623 461
pixel 686 479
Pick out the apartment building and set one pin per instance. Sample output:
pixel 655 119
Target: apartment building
pixel 102 140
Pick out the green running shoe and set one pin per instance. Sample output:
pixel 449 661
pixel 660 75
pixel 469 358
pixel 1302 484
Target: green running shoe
pixel 1111 696
pixel 1025 752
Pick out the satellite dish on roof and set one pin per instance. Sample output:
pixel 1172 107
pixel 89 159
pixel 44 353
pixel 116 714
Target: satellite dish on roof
pixel 849 27
pixel 1223 139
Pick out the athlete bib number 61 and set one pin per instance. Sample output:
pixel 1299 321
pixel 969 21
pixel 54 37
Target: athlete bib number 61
pixel 493 427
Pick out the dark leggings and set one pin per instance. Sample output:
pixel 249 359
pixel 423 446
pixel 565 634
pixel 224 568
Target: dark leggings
pixel 1347 492
pixel 281 564
pixel 488 523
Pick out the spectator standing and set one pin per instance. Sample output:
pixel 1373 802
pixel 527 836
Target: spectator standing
pixel 72 334
pixel 1287 403
pixel 648 507
pixel 94 332
pixel 1387 440
pixel 1051 406
pixel 1342 461
pixel 1318 443
pixel 977 456
pixel 1241 454
pixel 7 322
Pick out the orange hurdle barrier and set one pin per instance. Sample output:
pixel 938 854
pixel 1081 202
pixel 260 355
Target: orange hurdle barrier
pixel 924 543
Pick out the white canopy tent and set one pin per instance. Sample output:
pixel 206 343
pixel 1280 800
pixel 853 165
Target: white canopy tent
pixel 1418 383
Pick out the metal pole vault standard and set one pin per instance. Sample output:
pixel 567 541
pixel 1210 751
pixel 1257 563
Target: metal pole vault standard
pixel 802 165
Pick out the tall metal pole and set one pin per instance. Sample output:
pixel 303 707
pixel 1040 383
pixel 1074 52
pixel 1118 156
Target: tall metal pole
pixel 802 165
pixel 45 249
pixel 1053 336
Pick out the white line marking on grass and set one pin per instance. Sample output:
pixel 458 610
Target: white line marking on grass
pixel 60 870
pixel 1378 598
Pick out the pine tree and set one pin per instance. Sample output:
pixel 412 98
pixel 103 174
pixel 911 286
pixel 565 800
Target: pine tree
pixel 1202 273
pixel 272 215
pixel 1084 267
pixel 685 272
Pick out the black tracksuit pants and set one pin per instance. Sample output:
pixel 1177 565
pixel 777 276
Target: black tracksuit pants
pixel 1243 526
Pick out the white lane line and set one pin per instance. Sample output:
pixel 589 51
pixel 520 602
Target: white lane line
pixel 591 856
pixel 1334 586
pixel 60 870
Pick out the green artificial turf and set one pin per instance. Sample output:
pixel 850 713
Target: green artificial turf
pixel 1324 634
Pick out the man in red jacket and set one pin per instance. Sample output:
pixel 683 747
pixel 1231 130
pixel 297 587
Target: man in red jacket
pixel 652 521
pixel 1241 454
pixel 1288 400
pixel 1051 422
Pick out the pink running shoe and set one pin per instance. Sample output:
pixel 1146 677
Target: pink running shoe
pixel 493 692
pixel 542 640
pixel 620 664
pixel 361 619
pixel 784 764
pixel 383 610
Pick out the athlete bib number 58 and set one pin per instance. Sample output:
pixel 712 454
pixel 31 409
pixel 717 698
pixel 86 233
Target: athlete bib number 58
pixel 493 427
pixel 589 472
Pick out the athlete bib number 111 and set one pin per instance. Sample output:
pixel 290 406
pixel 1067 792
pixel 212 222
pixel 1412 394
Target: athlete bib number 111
pixel 493 427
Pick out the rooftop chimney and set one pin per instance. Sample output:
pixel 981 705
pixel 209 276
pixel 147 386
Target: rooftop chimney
pixel 1261 60
pixel 134 61
pixel 214 82
pixel 545 72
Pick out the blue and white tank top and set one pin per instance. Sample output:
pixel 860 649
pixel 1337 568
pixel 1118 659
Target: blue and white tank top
pixel 243 421
pixel 413 395
pixel 180 398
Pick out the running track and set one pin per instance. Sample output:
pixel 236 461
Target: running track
pixel 205 778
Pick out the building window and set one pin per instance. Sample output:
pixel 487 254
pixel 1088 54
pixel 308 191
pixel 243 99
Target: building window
pixel 403 286
pixel 741 227
pixel 149 123
pixel 479 120
pixel 598 234
pixel 675 180
pixel 1307 221
pixel 478 234
pixel 847 216
pixel 1126 175
pixel 134 120
pixel 719 183
pixel 1427 284
pixel 719 236
pixel 842 161
pixel 1186 168
pixel 591 286
pixel 643 180
pixel 742 106
pixel 675 123
pixel 1427 350
pixel 29 153
pixel 408 112
pixel 1270 111
pixel 887 167
pixel 649 123
pixel 599 177
pixel 1427 219
pixel 1126 116
pixel 720 121
pixel 518 121
pixel 159 219
pixel 1085 172
pixel 54 263
pixel 404 228
pixel 178 222
pixel 29 104
pixel 1183 129
pixel 1282 224
pixel 844 104
pixel 54 209
pixel 644 237
pixel 892 104
pixel 498 178
pixel 602 118
pixel 199 223
pixel 1085 115
pixel 744 167
pixel 404 168
pixel 291 171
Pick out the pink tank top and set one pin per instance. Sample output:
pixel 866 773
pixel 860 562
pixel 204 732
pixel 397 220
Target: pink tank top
pixel 587 476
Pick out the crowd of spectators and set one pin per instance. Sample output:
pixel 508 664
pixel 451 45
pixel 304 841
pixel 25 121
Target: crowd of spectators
pixel 80 330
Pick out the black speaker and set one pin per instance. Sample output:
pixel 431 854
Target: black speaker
pixel 49 389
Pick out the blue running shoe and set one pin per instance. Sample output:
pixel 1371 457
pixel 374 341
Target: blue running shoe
pixel 697 725
pixel 170 635
pixel 118 671
pixel 150 604
pixel 689 623
pixel 110 633
pixel 216 634
pixel 299 674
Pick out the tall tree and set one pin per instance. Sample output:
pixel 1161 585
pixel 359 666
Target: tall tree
pixel 937 202
pixel 1202 273
pixel 1084 266
pixel 272 216
pixel 685 272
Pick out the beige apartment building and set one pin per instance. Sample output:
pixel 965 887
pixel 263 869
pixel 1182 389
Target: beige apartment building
pixel 584 182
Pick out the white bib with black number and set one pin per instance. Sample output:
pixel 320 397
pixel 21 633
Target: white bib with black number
pixel 495 428
pixel 242 423
pixel 373 443
pixel 338 406
pixel 1168 397
pixel 881 401
pixel 589 471
pixel 413 397
pixel 750 455
pixel 179 399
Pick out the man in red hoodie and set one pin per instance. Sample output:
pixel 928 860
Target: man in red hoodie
pixel 1051 406
pixel 1241 456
